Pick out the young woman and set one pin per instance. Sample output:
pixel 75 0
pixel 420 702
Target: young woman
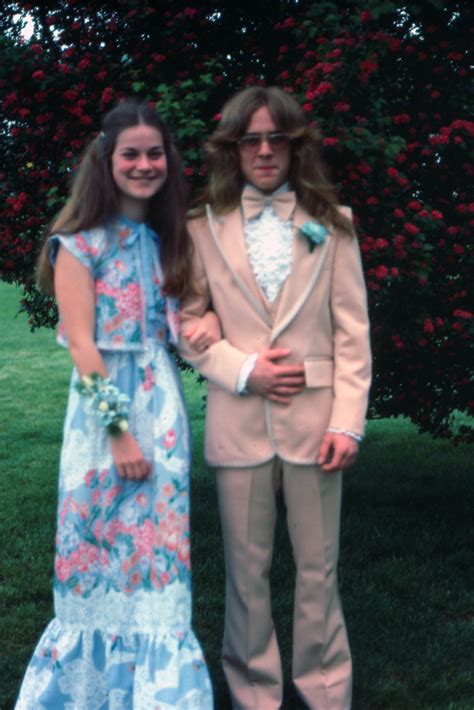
pixel 118 259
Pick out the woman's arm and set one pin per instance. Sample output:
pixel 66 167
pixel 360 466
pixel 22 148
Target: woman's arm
pixel 75 295
pixel 203 332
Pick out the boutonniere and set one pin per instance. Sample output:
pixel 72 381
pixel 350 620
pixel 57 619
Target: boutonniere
pixel 314 233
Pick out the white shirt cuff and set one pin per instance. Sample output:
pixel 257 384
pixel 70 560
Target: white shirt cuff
pixel 245 370
pixel 352 434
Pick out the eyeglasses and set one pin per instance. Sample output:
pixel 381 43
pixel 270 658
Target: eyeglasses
pixel 251 142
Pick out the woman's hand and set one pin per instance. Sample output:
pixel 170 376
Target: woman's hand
pixel 203 332
pixel 128 457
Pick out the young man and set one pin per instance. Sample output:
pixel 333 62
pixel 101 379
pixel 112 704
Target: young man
pixel 277 260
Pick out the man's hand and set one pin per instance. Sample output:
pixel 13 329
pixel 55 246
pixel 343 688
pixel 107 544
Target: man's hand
pixel 275 382
pixel 337 452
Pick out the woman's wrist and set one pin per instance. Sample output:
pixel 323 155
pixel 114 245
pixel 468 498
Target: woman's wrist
pixel 105 399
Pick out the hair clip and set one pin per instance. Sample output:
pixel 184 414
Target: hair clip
pixel 102 135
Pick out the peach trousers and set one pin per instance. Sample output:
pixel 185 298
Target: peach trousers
pixel 321 666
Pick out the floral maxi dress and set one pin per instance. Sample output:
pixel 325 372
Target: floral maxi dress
pixel 122 637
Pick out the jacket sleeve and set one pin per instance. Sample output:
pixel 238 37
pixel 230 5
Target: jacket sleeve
pixel 221 363
pixel 352 356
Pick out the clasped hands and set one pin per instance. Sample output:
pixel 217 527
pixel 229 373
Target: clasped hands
pixel 279 383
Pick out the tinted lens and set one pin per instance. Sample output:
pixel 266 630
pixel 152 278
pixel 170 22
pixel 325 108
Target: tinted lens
pixel 252 141
pixel 277 140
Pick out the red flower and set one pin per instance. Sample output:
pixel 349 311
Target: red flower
pixel 401 118
pixel 411 228
pixel 365 16
pixel 398 213
pixel 368 66
pixel 39 74
pixel 381 272
pixel 341 107
pixel 465 315
pixel 330 142
pixel 428 326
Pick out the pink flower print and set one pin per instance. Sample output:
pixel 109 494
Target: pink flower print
pixel 119 265
pixel 160 538
pixel 118 339
pixel 164 578
pixel 95 497
pixel 126 566
pixel 168 490
pixel 103 289
pixel 88 478
pixel 184 552
pixel 99 529
pixel 123 234
pixel 63 568
pixel 84 556
pixel 169 441
pixel 82 246
pixel 103 475
pixel 160 507
pixel 83 511
pixel 129 302
pixel 74 506
pixel 112 530
pixel 141 499
pixel 111 494
pixel 113 323
pixel 149 378
pixel 143 537
pixel 173 541
pixel 136 579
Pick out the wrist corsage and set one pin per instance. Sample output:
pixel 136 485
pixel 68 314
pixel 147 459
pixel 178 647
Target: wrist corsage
pixel 314 233
pixel 106 400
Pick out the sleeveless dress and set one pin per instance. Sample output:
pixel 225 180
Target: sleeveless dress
pixel 121 638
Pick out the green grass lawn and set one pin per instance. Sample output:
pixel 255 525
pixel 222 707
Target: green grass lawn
pixel 407 552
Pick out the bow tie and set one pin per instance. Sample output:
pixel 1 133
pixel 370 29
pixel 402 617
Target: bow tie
pixel 253 203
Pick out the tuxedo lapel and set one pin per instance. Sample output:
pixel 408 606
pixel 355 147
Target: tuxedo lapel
pixel 228 235
pixel 305 271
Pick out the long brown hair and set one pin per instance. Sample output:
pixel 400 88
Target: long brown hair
pixel 94 198
pixel 308 174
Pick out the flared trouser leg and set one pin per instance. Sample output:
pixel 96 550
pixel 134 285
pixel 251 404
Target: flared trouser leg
pixel 250 654
pixel 321 668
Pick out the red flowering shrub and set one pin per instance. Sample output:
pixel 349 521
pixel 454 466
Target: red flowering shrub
pixel 388 88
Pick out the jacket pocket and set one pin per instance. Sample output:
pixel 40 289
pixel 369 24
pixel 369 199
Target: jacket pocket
pixel 319 372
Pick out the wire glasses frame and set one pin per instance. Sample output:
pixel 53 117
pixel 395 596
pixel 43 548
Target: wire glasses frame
pixel 251 142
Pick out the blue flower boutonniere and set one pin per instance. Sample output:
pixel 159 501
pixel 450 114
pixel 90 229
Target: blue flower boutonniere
pixel 314 233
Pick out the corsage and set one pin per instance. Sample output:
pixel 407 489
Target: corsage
pixel 106 400
pixel 314 233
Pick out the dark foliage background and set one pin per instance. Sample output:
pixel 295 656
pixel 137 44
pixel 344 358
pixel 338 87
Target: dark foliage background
pixel 389 87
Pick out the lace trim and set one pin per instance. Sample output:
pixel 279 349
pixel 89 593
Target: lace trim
pixel 269 248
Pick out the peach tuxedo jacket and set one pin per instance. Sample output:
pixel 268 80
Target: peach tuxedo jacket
pixel 320 315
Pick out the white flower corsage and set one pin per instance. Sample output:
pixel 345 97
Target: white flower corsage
pixel 110 405
pixel 314 233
